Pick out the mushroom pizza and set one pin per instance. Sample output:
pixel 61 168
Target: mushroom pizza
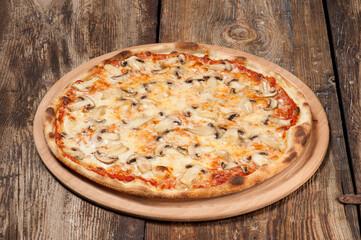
pixel 178 121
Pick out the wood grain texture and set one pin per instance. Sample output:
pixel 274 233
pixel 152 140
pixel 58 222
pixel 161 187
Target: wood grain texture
pixel 293 35
pixel 39 42
pixel 345 23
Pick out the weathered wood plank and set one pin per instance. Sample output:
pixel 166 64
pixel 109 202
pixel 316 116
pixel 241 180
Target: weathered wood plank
pixel 39 42
pixel 345 22
pixel 293 35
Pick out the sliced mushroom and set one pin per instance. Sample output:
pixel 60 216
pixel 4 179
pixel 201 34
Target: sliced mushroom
pixel 260 159
pixel 224 65
pixel 144 164
pixel 196 78
pixel 167 123
pixel 139 121
pixel 272 104
pixel 215 75
pixel 246 106
pixel 279 121
pixel 112 70
pixel 98 114
pixel 266 120
pixel 152 67
pixel 266 89
pixel 221 130
pixel 176 120
pixel 228 81
pixel 180 59
pixel 234 84
pixel 188 112
pixel 74 152
pixel 205 150
pixel 163 125
pixel 169 62
pixel 135 63
pixel 231 116
pixel 132 101
pixel 192 150
pixel 232 136
pixel 206 130
pixel 170 83
pixel 190 174
pixel 129 91
pixel 182 150
pixel 198 87
pixel 85 86
pixel 83 102
pixel 270 140
pixel 176 72
pixel 111 93
pixel 229 162
pixel 195 150
pixel 161 148
pixel 226 155
pixel 244 169
pixel 134 158
pixel 160 171
pixel 252 136
pixel 147 86
pixel 229 165
pixel 207 114
pixel 120 77
pixel 68 125
pixel 149 107
pixel 110 155
pixel 102 134
pixel 160 70
pixel 211 85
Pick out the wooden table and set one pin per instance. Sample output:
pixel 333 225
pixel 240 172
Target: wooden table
pixel 41 40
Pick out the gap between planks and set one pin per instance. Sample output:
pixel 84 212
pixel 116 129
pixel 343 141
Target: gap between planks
pixel 159 15
pixel 340 103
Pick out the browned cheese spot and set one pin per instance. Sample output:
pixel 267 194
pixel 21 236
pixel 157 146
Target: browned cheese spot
pixel 301 136
pixel 51 135
pixel 259 77
pixel 236 180
pixel 65 100
pixel 296 111
pixel 305 104
pixel 241 58
pixel 123 55
pixel 187 45
pixel 49 114
pixel 291 157
pixel 162 168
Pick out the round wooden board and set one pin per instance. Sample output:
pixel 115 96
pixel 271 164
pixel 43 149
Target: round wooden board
pixel 245 201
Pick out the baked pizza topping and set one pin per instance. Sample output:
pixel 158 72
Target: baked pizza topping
pixel 174 121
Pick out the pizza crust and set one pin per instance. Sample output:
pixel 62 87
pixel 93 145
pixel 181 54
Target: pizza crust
pixel 298 136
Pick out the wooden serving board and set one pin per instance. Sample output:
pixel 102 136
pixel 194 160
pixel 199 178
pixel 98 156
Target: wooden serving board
pixel 246 201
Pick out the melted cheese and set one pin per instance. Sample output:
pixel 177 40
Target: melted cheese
pixel 149 96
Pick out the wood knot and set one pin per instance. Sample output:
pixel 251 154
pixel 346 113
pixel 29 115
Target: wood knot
pixel 239 33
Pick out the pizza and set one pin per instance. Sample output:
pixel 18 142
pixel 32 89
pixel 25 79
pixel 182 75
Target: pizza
pixel 178 121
